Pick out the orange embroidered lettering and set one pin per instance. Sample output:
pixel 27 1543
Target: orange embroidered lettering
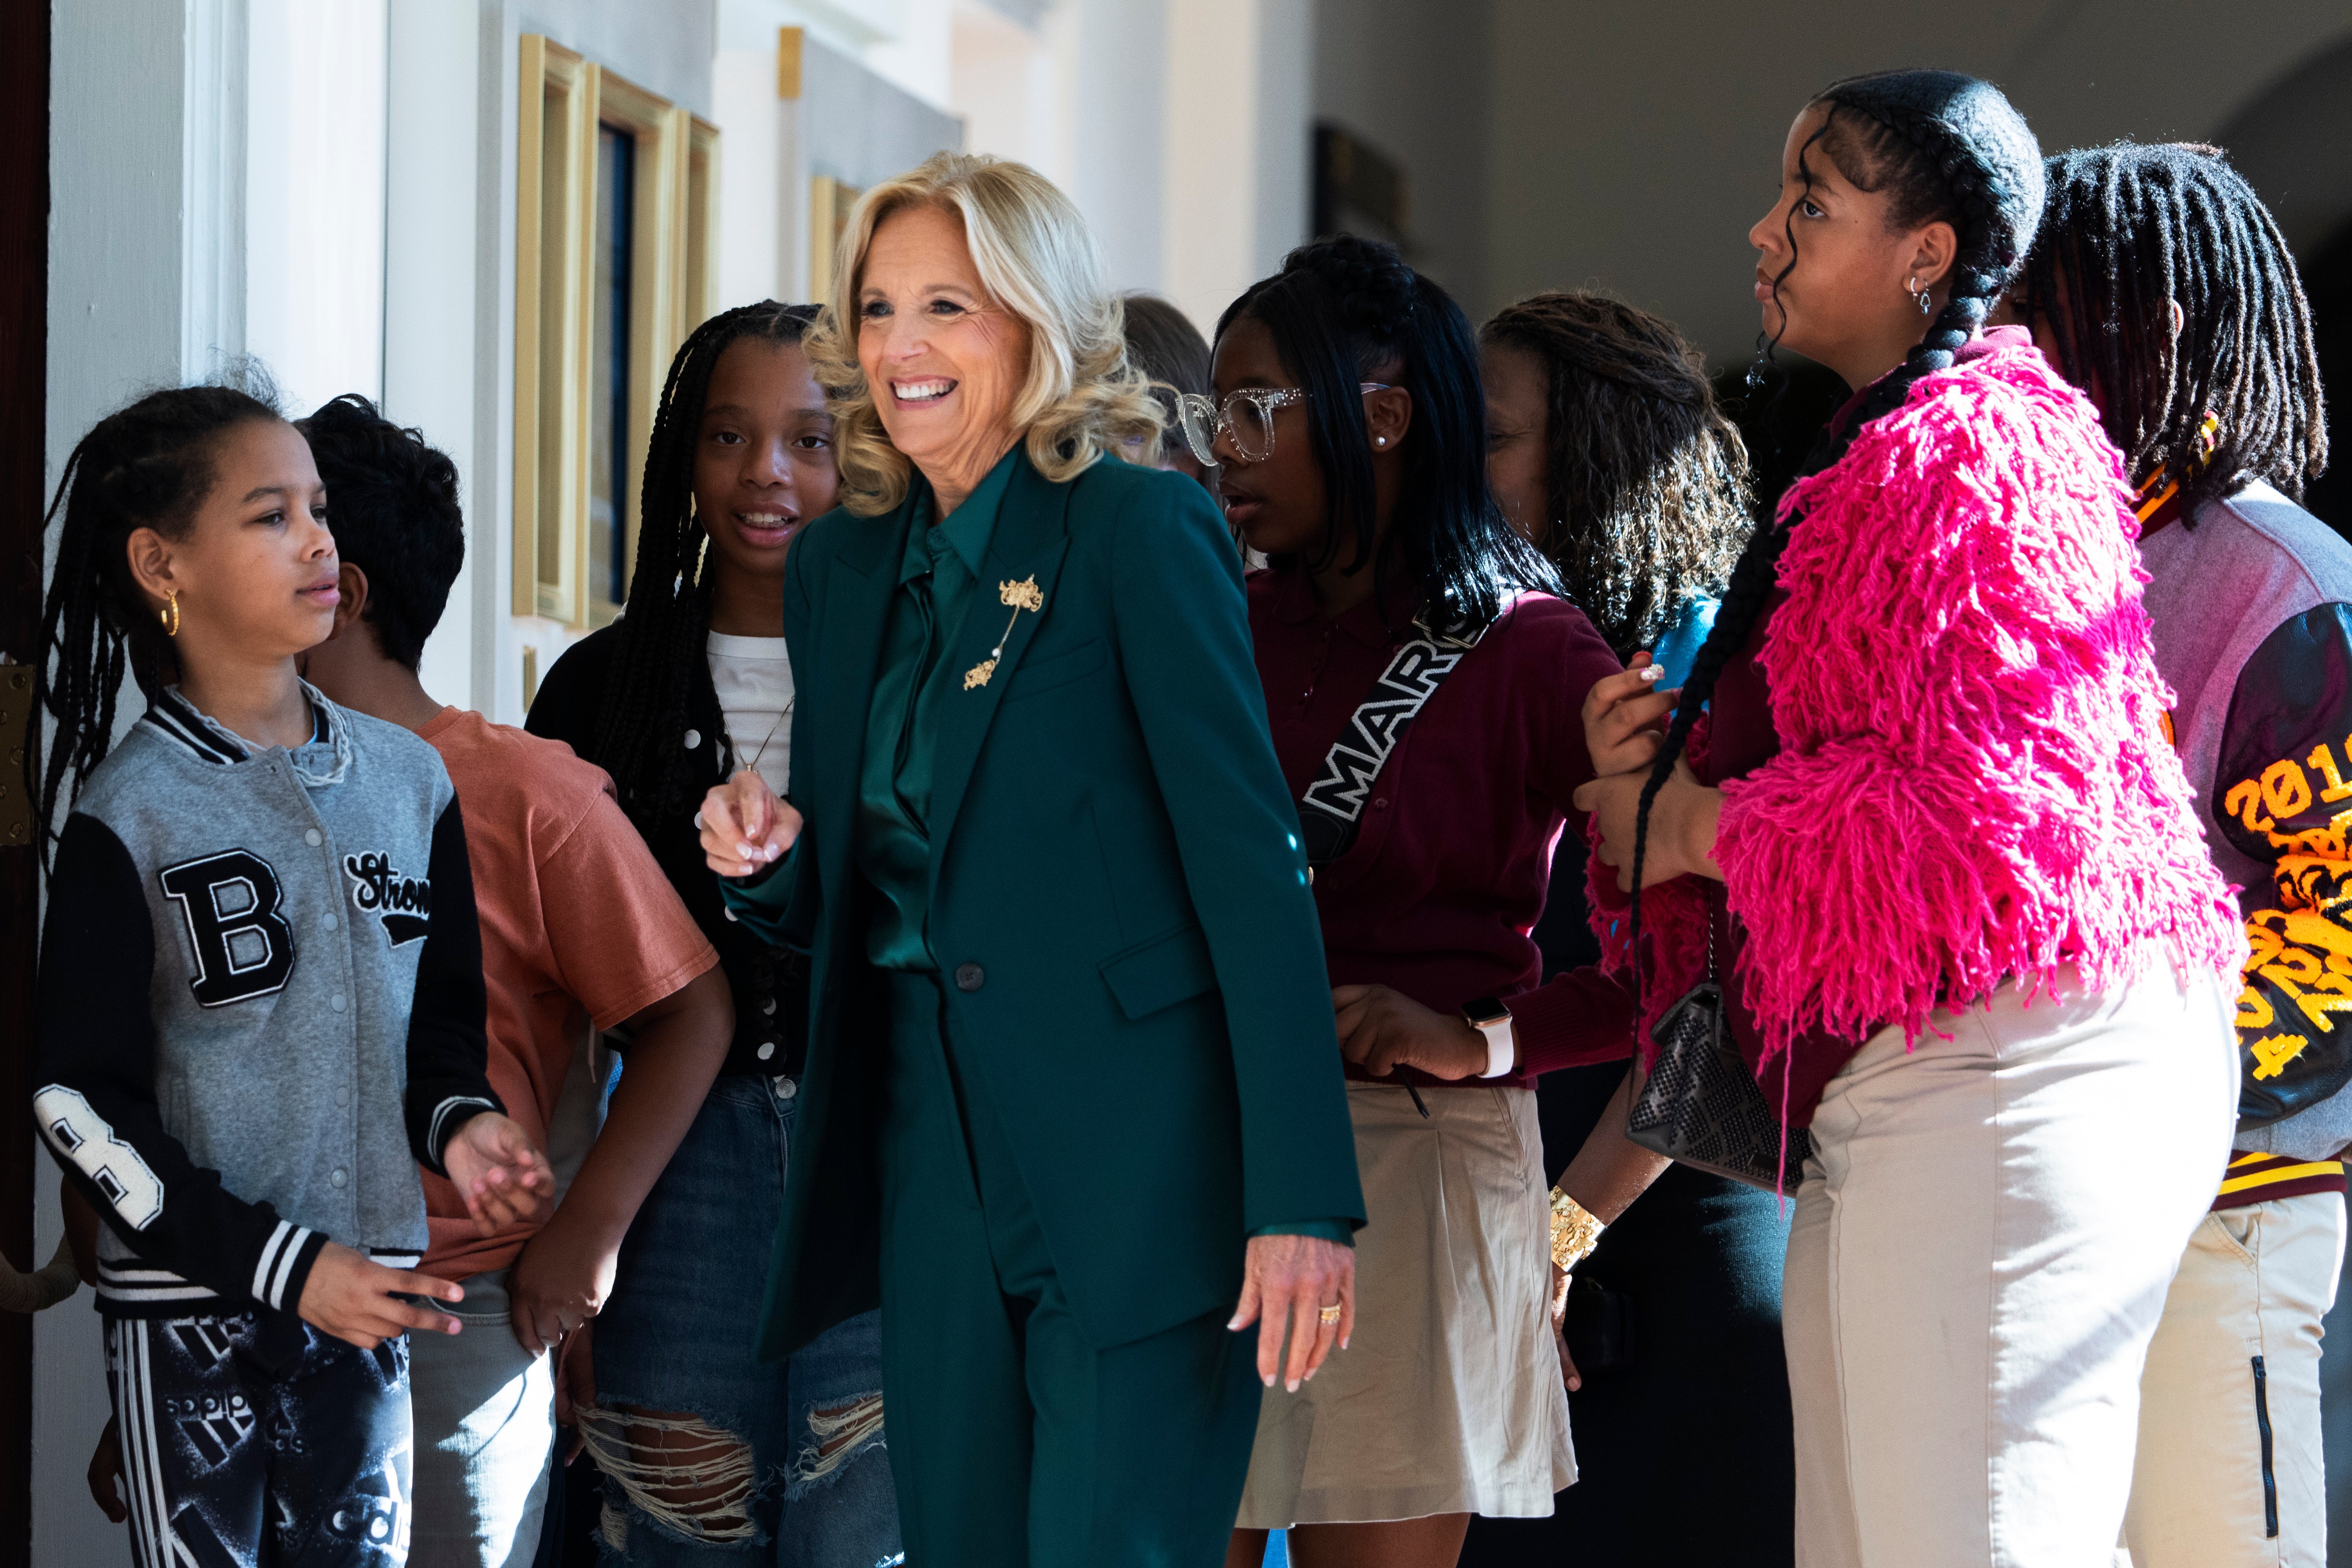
pixel 2243 802
pixel 2284 789
pixel 2325 761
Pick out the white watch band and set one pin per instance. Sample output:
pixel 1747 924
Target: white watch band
pixel 1502 1048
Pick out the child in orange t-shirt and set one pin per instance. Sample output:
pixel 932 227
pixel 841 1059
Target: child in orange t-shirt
pixel 581 931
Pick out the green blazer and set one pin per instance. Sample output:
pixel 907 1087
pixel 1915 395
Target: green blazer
pixel 1119 905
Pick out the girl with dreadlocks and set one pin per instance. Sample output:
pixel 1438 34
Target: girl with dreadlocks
pixel 1606 448
pixel 1352 444
pixel 1931 835
pixel 261 964
pixel 2160 285
pixel 705 1446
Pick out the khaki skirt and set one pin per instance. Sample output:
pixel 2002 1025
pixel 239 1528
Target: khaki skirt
pixel 1448 1399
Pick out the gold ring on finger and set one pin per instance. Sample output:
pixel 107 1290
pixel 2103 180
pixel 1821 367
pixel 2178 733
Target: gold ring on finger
pixel 1328 1315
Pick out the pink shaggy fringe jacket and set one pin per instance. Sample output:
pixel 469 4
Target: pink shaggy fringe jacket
pixel 1975 783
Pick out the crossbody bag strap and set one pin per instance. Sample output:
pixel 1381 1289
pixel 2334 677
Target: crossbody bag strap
pixel 1332 809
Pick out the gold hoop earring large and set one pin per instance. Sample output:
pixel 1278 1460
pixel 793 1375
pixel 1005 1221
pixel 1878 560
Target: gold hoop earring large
pixel 170 614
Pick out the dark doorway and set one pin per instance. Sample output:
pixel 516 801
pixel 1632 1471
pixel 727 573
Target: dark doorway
pixel 24 339
pixel 2327 280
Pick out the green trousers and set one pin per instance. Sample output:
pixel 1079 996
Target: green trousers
pixel 1016 1443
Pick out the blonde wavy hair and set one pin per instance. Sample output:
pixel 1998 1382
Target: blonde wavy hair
pixel 1037 258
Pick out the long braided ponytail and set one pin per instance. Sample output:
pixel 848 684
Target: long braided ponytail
pixel 1945 146
pixel 659 659
pixel 148 465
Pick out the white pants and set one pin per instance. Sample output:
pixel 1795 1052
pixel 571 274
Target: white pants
pixel 1980 1256
pixel 2256 1282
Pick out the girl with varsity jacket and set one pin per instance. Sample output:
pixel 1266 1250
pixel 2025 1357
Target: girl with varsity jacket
pixel 261 968
pixel 2161 286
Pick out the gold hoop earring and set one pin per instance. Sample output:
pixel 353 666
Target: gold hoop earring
pixel 170 615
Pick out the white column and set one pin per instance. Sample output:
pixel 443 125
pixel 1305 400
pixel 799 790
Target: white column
pixel 1115 129
pixel 431 311
pixel 314 229
pixel 749 114
pixel 1239 117
pixel 213 179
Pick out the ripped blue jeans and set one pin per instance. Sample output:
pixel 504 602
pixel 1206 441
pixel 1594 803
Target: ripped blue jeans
pixel 711 1456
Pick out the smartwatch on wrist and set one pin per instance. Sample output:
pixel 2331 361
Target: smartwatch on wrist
pixel 1492 1019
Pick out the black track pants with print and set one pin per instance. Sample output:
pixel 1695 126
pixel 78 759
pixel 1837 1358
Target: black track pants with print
pixel 254 1438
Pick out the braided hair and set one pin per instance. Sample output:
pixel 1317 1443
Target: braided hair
pixel 1346 311
pixel 1647 481
pixel 2130 231
pixel 1943 146
pixel 149 465
pixel 658 653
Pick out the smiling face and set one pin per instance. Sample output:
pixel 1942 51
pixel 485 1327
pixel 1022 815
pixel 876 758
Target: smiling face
pixel 763 462
pixel 1518 426
pixel 255 568
pixel 1281 505
pixel 945 361
pixel 1847 301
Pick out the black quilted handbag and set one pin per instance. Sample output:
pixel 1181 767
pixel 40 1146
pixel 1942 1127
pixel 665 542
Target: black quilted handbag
pixel 1700 1105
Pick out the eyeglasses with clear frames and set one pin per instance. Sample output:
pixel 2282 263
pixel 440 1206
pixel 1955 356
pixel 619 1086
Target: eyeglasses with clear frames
pixel 1247 414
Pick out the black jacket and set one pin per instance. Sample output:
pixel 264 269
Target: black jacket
pixel 769 984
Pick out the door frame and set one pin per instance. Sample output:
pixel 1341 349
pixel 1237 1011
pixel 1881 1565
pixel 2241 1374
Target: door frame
pixel 24 32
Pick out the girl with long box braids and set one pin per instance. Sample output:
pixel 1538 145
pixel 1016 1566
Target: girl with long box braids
pixel 1930 828
pixel 260 1003
pixel 707 1449
pixel 2161 287
pixel 1350 436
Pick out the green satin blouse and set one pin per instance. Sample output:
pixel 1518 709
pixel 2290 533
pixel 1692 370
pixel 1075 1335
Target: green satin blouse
pixel 937 574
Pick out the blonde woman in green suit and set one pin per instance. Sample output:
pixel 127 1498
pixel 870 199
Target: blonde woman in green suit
pixel 1073 1115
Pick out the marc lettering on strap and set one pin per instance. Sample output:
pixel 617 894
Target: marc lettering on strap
pixel 1333 806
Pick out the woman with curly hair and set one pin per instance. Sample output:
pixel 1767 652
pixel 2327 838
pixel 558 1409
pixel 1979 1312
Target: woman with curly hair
pixel 1606 448
pixel 1072 1111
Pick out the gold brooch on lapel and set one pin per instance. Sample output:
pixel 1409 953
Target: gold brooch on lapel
pixel 1022 595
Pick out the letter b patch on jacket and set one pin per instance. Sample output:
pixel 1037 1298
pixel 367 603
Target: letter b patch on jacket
pixel 242 945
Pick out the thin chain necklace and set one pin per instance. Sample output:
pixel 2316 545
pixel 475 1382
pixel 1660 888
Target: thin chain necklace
pixel 790 702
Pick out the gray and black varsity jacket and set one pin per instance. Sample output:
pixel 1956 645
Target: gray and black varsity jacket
pixel 260 1005
pixel 2252 600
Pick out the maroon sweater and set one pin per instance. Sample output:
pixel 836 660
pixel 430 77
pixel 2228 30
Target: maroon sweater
pixel 1448 871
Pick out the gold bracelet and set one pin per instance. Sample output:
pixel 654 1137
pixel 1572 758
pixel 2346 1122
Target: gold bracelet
pixel 1574 1232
